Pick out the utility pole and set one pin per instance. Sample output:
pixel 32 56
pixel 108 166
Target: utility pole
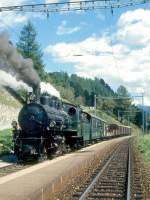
pixel 128 120
pixel 143 120
pixel 95 103
pixel 118 114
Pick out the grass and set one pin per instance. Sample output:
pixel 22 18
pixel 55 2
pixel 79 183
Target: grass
pixel 144 147
pixel 6 143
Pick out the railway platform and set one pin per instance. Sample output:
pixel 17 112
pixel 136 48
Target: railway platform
pixel 39 181
pixel 3 164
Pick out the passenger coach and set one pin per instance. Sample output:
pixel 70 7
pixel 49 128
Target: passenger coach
pixel 84 127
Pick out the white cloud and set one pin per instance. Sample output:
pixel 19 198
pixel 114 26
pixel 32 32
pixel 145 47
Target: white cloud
pixel 91 45
pixel 11 19
pixel 63 29
pixel 51 1
pixel 134 27
pixel 127 62
pixel 4 3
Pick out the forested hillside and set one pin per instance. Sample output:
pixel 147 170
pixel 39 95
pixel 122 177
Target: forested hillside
pixel 78 89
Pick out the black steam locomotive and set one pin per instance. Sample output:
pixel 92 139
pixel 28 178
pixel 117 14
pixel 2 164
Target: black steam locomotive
pixel 47 126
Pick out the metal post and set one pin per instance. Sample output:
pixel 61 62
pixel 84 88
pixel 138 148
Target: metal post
pixel 143 130
pixel 146 122
pixel 118 115
pixel 95 103
pixel 129 175
pixel 128 121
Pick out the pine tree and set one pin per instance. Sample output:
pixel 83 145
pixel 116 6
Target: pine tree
pixel 29 47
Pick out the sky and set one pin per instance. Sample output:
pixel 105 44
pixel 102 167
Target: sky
pixel 113 46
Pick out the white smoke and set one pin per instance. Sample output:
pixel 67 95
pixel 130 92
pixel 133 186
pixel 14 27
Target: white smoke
pixel 13 63
pixel 8 80
pixel 47 87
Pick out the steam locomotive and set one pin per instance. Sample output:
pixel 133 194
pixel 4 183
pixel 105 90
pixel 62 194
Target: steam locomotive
pixel 47 126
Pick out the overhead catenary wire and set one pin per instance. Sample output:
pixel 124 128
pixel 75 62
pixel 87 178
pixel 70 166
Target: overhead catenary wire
pixel 67 6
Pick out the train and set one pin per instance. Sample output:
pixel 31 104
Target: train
pixel 47 125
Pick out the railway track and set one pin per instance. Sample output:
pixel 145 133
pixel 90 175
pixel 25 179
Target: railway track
pixel 117 177
pixel 110 181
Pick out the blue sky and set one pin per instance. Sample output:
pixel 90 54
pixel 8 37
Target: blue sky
pixel 113 47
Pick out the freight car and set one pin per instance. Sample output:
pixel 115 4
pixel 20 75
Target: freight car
pixel 115 130
pixel 48 125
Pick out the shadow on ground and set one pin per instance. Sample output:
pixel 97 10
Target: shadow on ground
pixel 8 158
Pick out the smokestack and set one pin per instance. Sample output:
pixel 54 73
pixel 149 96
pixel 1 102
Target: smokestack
pixel 37 92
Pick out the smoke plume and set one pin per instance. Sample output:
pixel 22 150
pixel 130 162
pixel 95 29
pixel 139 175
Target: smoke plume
pixel 13 63
pixel 17 72
pixel 8 80
pixel 47 87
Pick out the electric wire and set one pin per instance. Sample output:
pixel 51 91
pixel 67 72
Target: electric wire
pixel 67 6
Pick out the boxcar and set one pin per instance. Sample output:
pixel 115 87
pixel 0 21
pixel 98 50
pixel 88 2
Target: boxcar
pixel 115 130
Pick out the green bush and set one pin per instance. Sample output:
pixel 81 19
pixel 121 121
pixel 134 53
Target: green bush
pixel 144 147
pixel 6 142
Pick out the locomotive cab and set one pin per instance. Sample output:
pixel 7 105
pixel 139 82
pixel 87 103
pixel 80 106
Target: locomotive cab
pixel 73 133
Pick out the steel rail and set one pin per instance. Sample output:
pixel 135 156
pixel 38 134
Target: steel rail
pixel 93 183
pixel 90 187
pixel 129 175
